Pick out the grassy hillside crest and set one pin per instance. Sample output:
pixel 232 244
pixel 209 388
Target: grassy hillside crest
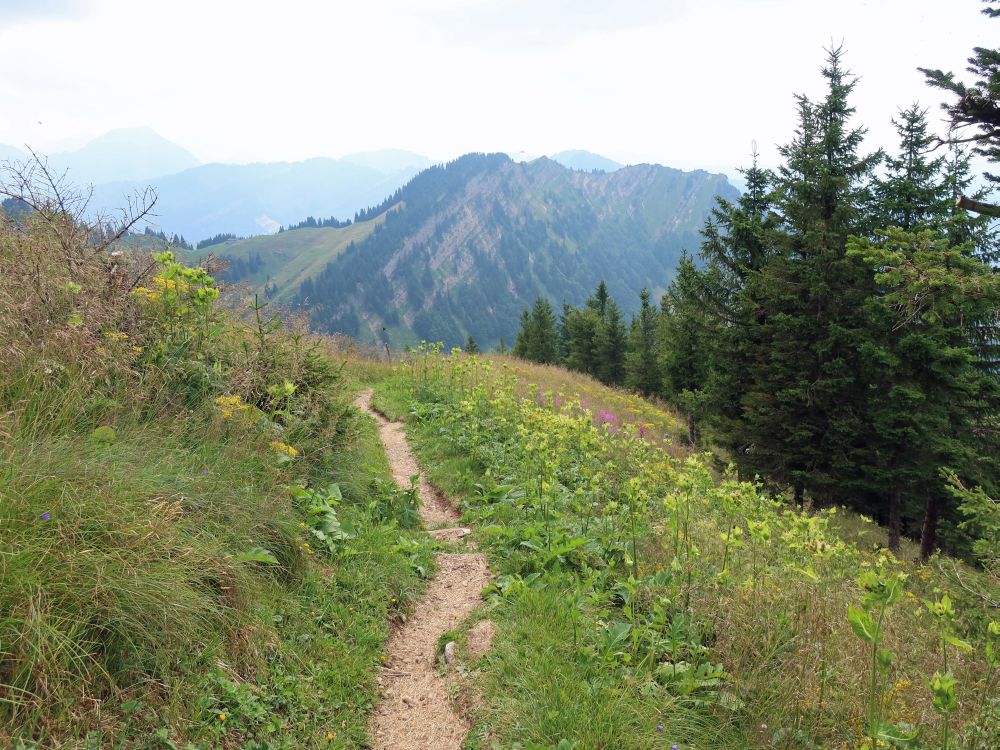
pixel 201 545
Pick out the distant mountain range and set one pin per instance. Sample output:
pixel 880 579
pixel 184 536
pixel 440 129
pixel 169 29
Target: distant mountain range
pixel 463 248
pixel 457 250
pixel 251 199
pixel 585 161
pixel 198 201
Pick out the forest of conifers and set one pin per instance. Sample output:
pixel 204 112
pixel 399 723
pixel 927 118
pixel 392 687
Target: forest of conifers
pixel 837 333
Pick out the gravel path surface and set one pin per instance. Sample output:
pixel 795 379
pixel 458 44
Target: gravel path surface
pixel 415 710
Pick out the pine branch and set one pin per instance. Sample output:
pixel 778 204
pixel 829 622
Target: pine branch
pixel 970 204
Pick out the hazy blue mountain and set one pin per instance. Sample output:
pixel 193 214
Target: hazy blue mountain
pixel 124 154
pixel 252 199
pixel 585 161
pixel 11 153
pixel 462 248
pixel 390 161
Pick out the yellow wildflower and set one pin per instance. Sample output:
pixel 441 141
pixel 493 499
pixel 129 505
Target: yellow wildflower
pixel 230 405
pixel 283 448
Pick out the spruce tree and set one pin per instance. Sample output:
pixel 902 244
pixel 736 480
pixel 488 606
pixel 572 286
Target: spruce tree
pixel 537 338
pixel 803 405
pixel 610 344
pixel 545 344
pixel 738 241
pixel 912 193
pixel 939 402
pixel 683 356
pixel 641 371
pixel 471 347
pixel 580 329
pixel 523 336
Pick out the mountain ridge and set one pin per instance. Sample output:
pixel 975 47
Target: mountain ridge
pixel 473 242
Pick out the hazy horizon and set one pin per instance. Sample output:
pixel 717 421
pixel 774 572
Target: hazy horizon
pixel 678 83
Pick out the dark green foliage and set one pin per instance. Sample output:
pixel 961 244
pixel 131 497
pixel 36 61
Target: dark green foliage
pixel 217 240
pixel 802 356
pixel 537 338
pixel 471 347
pixel 641 370
pixel 593 339
pixel 684 342
pixel 240 267
pixel 311 222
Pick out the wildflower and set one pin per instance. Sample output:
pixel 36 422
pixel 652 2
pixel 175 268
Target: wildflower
pixel 659 727
pixel 204 471
pixel 230 405
pixel 45 516
pixel 330 736
pixel 222 717
pixel 283 448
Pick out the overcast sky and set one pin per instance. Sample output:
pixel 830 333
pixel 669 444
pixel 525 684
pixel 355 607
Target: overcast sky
pixel 687 84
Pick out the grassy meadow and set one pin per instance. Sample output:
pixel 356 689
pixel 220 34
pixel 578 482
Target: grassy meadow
pixel 645 598
pixel 201 546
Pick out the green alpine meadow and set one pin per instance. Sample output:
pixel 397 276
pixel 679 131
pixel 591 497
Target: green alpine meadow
pixel 309 440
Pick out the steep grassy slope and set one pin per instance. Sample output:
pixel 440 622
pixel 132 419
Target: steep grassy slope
pixel 200 545
pixel 479 239
pixel 283 261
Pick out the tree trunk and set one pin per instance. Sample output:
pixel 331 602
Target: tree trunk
pixel 928 534
pixel 799 496
pixel 692 430
pixel 895 522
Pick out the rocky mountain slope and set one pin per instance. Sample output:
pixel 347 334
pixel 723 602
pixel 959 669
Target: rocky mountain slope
pixel 463 248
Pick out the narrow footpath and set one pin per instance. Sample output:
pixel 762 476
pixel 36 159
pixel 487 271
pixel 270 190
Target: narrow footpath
pixel 415 710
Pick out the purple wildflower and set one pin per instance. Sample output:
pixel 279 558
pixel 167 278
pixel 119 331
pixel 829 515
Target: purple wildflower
pixel 204 471
pixel 556 401
pixel 673 747
pixel 584 404
pixel 659 728
pixel 45 516
pixel 642 430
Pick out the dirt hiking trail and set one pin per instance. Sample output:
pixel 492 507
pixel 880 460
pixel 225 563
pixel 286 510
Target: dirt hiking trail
pixel 415 710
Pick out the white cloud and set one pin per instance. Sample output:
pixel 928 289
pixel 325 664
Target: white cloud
pixel 683 83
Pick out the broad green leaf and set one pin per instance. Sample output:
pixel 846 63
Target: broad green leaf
pixel 863 625
pixel 258 554
pixel 957 643
pixel 898 735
